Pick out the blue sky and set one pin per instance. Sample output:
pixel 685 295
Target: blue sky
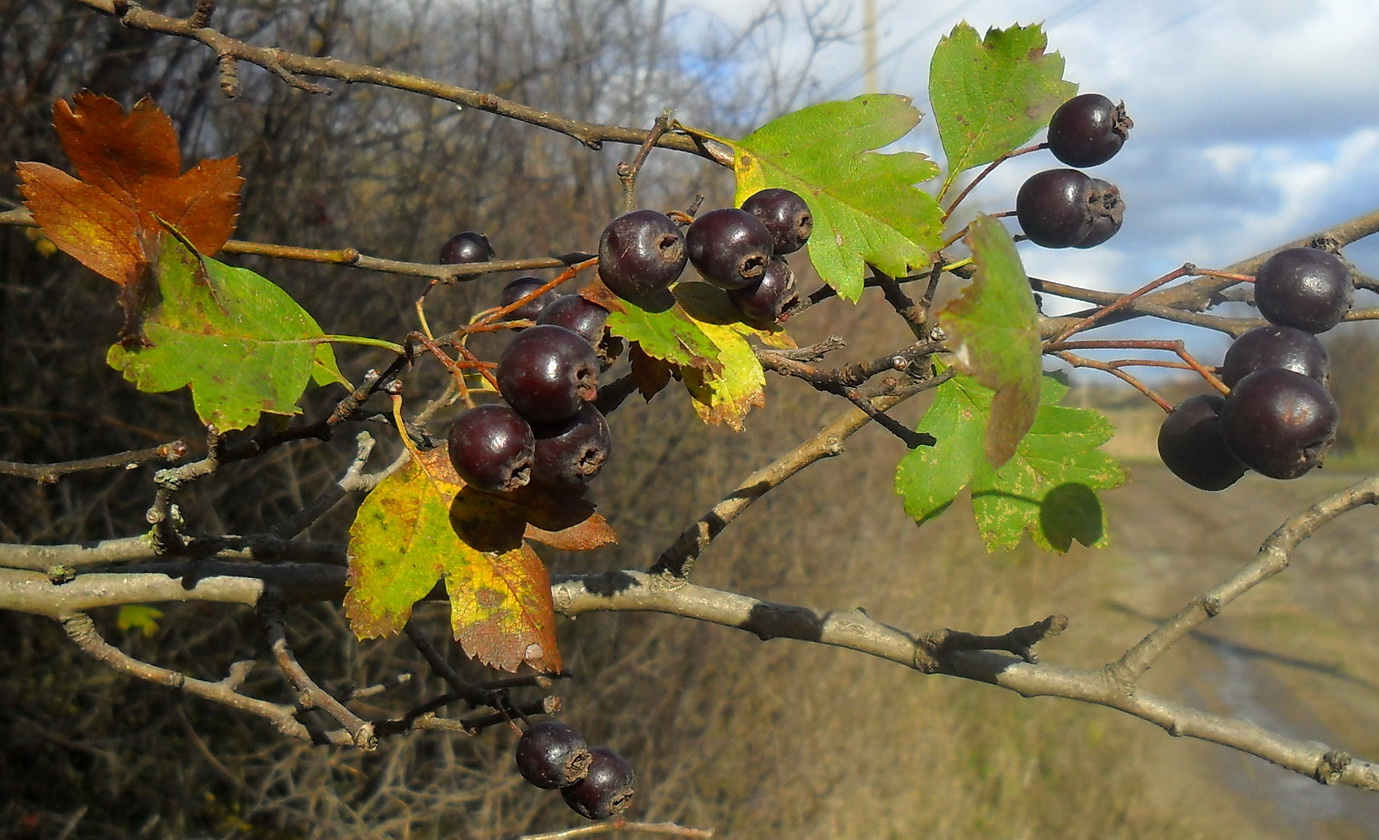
pixel 1256 121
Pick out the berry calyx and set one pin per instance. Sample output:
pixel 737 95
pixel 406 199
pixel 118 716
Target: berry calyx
pixel 1191 446
pixel 1088 130
pixel 1305 288
pixel 1279 422
pixel 729 247
pixel 552 755
pixel 785 215
pixel 570 453
pixel 606 790
pixel 1108 211
pixel 641 252
pixel 465 247
pixel 547 372
pixel 764 301
pixel 1273 346
pixel 492 448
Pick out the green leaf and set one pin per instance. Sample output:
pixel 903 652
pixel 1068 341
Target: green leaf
pixel 241 343
pixel 403 542
pixel 140 617
pixel 993 330
pixel 1048 489
pixel 865 204
pixel 724 396
pixel 929 478
pixel 663 330
pixel 993 95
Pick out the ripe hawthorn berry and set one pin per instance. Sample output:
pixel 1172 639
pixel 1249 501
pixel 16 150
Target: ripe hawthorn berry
pixel 1272 346
pixel 764 301
pixel 606 790
pixel 466 247
pixel 551 755
pixel 578 314
pixel 1191 446
pixel 547 372
pixel 492 448
pixel 1055 207
pixel 1279 422
pixel 568 454
pixel 641 252
pixel 785 215
pixel 520 288
pixel 1088 130
pixel 730 247
pixel 1305 288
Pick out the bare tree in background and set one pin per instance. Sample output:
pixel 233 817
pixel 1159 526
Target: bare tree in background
pixel 727 735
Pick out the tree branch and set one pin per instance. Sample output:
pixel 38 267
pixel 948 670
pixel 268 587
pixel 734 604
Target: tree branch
pixel 290 67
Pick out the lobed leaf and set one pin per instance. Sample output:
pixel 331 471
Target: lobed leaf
pixel 866 206
pixel 242 344
pixel 726 395
pixel 991 96
pixel 131 184
pixel 1047 489
pixel 402 544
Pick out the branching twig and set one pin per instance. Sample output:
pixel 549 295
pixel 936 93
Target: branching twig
pixel 50 473
pixel 291 67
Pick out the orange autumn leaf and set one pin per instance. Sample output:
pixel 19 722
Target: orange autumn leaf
pixel 130 178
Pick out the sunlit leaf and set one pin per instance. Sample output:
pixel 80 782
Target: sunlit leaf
pixel 241 344
pixel 1048 489
pixel 994 94
pixel 402 544
pixel 866 205
pixel 993 330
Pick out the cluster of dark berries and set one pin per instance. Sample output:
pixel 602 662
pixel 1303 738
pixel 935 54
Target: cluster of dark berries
pixel 1066 208
pixel 741 250
pixel 547 430
pixel 1279 418
pixel 597 783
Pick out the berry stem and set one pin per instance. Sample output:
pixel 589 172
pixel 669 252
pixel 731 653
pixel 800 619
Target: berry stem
pixel 627 172
pixel 1185 270
pixel 493 315
pixel 1114 369
pixel 1175 346
pixel 981 176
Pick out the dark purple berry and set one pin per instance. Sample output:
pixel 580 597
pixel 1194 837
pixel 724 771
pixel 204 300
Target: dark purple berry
pixel 785 214
pixel 764 301
pixel 1056 207
pixel 552 755
pixel 729 247
pixel 1088 130
pixel 641 252
pixel 1191 446
pixel 520 288
pixel 578 314
pixel 607 789
pixel 1108 210
pixel 466 247
pixel 492 448
pixel 547 372
pixel 1279 422
pixel 1274 347
pixel 1305 288
pixel 570 453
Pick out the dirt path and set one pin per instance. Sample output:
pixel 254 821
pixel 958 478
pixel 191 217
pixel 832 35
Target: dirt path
pixel 1299 654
